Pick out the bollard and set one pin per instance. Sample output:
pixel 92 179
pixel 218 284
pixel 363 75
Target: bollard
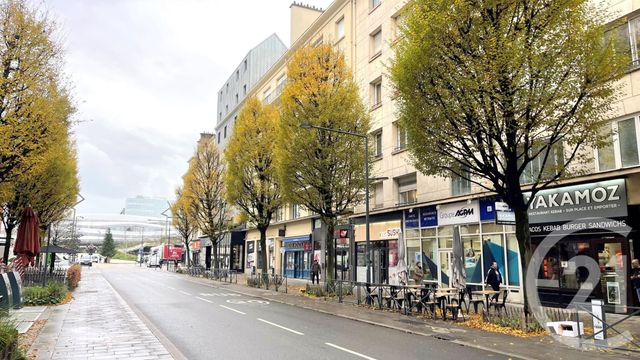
pixel 16 289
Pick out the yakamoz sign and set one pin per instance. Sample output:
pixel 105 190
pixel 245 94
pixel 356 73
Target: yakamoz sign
pixel 459 213
pixel 604 199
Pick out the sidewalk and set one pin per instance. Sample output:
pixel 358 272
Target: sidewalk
pixel 525 348
pixel 96 324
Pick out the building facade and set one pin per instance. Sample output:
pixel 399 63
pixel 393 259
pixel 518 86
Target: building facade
pixel 418 213
pixel 145 206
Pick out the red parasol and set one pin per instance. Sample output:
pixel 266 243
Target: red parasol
pixel 27 245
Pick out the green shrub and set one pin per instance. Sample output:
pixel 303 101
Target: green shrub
pixel 51 294
pixel 73 276
pixel 315 290
pixel 9 341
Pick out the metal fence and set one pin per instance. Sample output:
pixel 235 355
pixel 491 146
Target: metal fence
pixel 610 330
pixel 268 282
pixel 34 276
pixel 223 275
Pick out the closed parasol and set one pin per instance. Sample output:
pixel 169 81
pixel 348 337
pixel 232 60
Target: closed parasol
pixel 459 275
pixel 27 245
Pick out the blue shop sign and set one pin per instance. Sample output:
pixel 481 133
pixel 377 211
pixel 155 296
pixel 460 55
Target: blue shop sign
pixel 428 216
pixel 411 218
pixel 488 208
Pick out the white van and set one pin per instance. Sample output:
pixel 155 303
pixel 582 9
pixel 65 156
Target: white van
pixel 153 260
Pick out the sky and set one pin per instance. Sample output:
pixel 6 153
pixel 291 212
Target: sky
pixel 144 76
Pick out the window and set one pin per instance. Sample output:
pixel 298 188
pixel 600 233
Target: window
pixel 378 198
pixel 279 215
pixel 377 144
pixel 376 43
pixel 376 93
pixel 266 96
pixel 237 99
pixel 220 116
pixel 245 64
pixel 461 185
pixel 227 87
pixel 401 137
pixel 225 131
pixel 536 168
pixel 294 211
pixel 244 87
pixel 374 3
pixel 622 150
pixel 628 37
pixel 407 190
pixel 340 29
pixel 218 138
pixel 237 74
pixel 226 109
pixel 398 22
pixel 317 42
pixel 280 84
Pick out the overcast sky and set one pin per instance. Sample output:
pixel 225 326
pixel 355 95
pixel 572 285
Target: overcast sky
pixel 145 75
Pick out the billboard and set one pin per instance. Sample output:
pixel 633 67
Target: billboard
pixel 172 252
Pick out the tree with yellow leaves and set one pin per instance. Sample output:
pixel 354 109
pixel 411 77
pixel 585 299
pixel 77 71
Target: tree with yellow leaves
pixel 183 218
pixel 251 181
pixel 204 187
pixel 322 170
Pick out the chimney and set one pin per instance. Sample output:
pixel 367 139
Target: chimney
pixel 302 16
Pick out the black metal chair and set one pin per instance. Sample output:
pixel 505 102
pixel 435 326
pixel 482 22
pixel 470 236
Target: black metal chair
pixel 498 305
pixel 475 302
pixel 456 306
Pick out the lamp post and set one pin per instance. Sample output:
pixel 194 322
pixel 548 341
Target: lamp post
pixel 141 251
pixel 366 188
pixel 168 231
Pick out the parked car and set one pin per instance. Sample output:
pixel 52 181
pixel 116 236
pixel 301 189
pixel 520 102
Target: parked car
pixel 86 260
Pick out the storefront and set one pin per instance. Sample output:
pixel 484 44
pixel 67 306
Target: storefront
pixel 588 219
pixel 298 256
pixel 384 250
pixel 429 240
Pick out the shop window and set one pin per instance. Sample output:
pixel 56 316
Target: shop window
pixel 513 260
pixel 407 189
pixel 472 264
pixel 622 145
pixel 428 232
pixel 461 185
pixel 470 229
pixel 428 258
pixel 491 228
pixel 412 233
pixel 493 250
pixel 539 168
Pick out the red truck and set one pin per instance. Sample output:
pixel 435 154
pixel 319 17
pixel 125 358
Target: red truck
pixel 171 252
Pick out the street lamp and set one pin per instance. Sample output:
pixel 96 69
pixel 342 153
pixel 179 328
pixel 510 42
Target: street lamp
pixel 367 260
pixel 167 223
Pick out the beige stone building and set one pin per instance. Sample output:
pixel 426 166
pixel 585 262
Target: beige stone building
pixel 418 213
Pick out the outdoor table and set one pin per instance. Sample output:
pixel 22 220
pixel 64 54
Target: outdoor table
pixel 486 294
pixel 443 298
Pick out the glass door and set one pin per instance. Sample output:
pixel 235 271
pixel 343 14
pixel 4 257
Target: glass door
pixel 380 265
pixel 612 281
pixel 445 268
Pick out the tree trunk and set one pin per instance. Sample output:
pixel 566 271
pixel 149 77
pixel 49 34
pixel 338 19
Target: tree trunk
pixel 330 252
pixel 215 254
pixel 523 236
pixel 5 257
pixel 186 246
pixel 263 246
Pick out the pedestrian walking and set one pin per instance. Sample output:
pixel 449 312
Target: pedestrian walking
pixel 418 273
pixel 494 278
pixel 635 277
pixel 315 272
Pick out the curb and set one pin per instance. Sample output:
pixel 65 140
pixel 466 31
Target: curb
pixel 352 318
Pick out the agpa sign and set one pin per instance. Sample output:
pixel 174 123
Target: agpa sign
pixel 459 213
pixel 604 199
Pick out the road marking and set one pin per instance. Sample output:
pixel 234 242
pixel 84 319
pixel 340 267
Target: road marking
pixel 228 308
pixel 184 292
pixel 209 301
pixel 281 327
pixel 239 302
pixel 172 288
pixel 350 351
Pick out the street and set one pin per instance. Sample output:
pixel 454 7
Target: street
pixel 205 322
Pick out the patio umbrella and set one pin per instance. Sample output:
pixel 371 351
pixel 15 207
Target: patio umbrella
pixel 458 274
pixel 27 245
pixel 401 268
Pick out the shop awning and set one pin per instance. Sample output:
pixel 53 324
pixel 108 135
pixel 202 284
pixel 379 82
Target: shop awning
pixel 297 238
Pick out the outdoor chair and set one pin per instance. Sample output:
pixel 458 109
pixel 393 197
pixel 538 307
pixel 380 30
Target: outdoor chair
pixel 475 302
pixel 456 306
pixel 501 305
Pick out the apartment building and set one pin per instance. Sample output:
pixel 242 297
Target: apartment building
pixel 231 95
pixel 419 212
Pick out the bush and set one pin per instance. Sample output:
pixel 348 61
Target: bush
pixel 51 294
pixel 73 276
pixel 316 290
pixel 9 341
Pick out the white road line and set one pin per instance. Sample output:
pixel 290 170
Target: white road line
pixel 172 288
pixel 232 309
pixel 350 351
pixel 199 298
pixel 184 292
pixel 281 327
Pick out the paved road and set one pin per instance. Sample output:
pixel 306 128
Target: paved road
pixel 204 322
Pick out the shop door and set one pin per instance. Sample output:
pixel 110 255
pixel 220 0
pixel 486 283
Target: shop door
pixel 445 268
pixel 342 262
pixel 380 265
pixel 299 264
pixel 612 281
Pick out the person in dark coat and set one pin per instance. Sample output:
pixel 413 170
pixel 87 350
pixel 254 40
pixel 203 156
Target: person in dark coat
pixel 635 277
pixel 494 278
pixel 315 272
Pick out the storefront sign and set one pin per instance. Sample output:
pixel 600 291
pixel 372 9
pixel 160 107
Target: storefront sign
pixel 390 233
pixel 579 225
pixel 505 217
pixel 411 218
pixel 387 230
pixel 604 199
pixel 459 213
pixel 428 216
pixel 250 247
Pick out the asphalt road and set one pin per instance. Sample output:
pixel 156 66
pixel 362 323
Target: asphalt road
pixel 204 322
